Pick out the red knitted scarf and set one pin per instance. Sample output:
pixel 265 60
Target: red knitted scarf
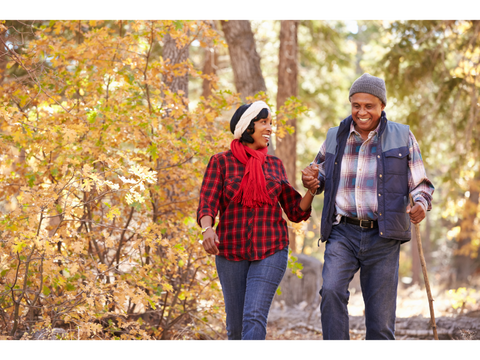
pixel 253 188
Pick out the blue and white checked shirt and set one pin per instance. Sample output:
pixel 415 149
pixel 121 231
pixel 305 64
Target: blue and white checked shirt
pixel 357 190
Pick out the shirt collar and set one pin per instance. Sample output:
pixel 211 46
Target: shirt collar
pixel 375 132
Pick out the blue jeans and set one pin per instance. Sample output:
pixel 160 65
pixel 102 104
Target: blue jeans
pixel 248 289
pixel 349 248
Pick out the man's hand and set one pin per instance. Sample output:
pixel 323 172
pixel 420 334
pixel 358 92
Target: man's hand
pixel 310 177
pixel 417 213
pixel 210 241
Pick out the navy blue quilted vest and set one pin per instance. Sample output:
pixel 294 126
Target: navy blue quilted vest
pixel 392 172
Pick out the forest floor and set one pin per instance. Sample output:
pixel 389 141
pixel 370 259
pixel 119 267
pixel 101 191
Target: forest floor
pixel 303 323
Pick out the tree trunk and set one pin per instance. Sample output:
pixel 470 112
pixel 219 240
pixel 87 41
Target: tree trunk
pixel 245 60
pixel 176 56
pixel 462 262
pixel 209 66
pixel 288 86
pixel 3 56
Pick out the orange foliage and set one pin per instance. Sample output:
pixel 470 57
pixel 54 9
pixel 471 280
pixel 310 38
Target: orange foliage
pixel 100 171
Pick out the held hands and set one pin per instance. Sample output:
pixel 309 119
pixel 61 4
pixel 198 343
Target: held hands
pixel 310 178
pixel 417 213
pixel 210 241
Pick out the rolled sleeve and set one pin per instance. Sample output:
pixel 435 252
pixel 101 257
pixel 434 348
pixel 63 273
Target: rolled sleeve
pixel 320 161
pixel 290 201
pixel 210 191
pixel 420 187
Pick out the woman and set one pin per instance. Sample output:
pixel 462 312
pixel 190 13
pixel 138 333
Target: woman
pixel 251 239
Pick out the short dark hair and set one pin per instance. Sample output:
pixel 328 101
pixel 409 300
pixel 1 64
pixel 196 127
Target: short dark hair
pixel 263 114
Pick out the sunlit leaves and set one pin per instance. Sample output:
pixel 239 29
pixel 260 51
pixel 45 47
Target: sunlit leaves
pixel 98 177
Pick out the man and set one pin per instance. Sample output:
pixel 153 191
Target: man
pixel 367 166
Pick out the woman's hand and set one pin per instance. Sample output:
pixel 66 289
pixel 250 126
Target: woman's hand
pixel 311 182
pixel 210 241
pixel 310 178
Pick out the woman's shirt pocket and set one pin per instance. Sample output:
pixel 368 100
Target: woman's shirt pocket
pixel 231 187
pixel 274 186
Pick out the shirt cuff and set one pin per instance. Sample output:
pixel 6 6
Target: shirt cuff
pixel 322 184
pixel 422 201
pixel 303 215
pixel 205 212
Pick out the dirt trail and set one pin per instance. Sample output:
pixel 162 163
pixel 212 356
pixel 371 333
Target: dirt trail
pixel 303 323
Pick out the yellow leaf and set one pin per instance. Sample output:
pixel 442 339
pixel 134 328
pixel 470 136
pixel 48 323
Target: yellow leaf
pixel 19 246
pixel 69 135
pixel 102 267
pixel 73 269
pixel 77 247
pixel 87 184
pixel 167 287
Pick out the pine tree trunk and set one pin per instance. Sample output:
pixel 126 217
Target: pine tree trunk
pixel 209 66
pixel 288 86
pixel 245 60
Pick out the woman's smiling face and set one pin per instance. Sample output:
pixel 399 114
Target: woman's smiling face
pixel 262 133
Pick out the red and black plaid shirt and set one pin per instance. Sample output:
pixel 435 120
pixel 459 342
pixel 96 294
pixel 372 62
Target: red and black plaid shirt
pixel 248 233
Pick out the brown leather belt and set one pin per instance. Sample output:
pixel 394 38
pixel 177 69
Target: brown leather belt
pixel 366 224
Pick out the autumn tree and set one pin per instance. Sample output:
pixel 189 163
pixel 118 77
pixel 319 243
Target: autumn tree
pixel 114 156
pixel 102 160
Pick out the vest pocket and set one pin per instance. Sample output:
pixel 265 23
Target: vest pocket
pixel 396 161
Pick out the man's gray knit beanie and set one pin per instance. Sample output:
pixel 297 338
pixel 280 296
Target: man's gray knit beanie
pixel 371 85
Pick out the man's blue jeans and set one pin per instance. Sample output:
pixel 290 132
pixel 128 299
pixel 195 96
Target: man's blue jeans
pixel 349 248
pixel 248 289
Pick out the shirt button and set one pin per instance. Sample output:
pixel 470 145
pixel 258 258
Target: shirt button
pixel 381 233
pixel 380 175
pixel 380 214
pixel 399 154
pixel 378 156
pixel 379 194
pixel 335 163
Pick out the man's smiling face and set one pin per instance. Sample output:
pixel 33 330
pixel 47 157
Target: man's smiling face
pixel 366 112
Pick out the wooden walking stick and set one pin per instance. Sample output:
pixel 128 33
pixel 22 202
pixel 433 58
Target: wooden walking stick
pixel 425 275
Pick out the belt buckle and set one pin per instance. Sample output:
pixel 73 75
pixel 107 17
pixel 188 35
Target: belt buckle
pixel 366 227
